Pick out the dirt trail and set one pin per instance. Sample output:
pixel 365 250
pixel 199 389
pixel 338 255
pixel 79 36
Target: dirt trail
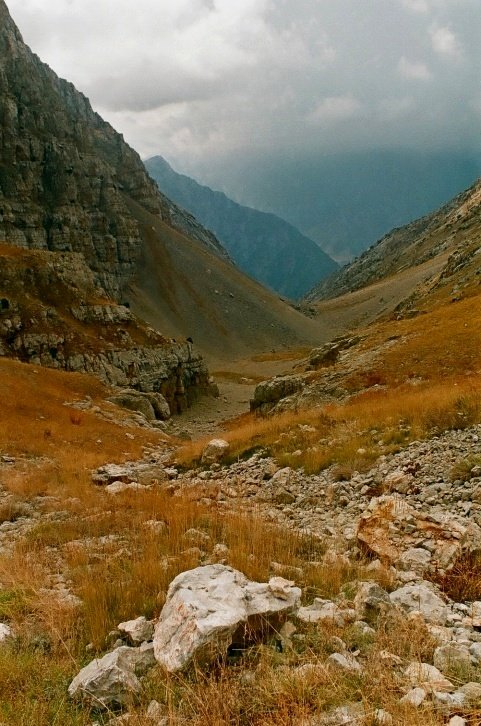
pixel 208 415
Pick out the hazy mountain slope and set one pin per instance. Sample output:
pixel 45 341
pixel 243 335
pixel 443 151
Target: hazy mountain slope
pixel 263 245
pixel 68 182
pixel 450 238
pixel 182 289
pixel 345 201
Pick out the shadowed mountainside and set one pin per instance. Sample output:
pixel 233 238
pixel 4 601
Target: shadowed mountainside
pixel 263 245
pixel 447 243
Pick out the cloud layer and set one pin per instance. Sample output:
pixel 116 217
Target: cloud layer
pixel 204 79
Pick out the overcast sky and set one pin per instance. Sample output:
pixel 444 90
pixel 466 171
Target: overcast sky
pixel 196 80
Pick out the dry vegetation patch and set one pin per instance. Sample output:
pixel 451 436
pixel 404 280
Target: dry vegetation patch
pixel 424 379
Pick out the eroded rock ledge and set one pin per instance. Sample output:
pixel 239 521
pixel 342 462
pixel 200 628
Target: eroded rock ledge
pixel 54 314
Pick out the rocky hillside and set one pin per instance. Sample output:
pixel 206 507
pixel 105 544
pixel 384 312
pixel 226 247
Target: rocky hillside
pixel 66 175
pixel 53 313
pixel 325 562
pixel 266 247
pixel 69 183
pixel 451 235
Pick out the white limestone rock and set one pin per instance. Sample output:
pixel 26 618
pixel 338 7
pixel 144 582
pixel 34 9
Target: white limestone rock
pixel 449 702
pixel 475 651
pixel 113 679
pixel 451 655
pixel 137 631
pixel 472 692
pixel 428 677
pixel 346 663
pixel 214 451
pixel 476 614
pixel 6 632
pixel 157 713
pixel 206 608
pixel 415 697
pixel 321 611
pixel 457 721
pixel 382 717
pixel 370 599
pixel 422 599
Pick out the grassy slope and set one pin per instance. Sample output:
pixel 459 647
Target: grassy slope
pixel 425 377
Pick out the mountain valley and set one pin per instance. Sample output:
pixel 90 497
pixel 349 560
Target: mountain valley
pixel 217 507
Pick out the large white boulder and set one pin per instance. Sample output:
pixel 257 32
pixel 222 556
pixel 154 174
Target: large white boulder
pixel 210 607
pixel 113 679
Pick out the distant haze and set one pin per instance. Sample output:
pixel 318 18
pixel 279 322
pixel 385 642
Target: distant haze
pixel 217 86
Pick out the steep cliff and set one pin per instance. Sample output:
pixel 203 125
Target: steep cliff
pixel 65 174
pixel 70 184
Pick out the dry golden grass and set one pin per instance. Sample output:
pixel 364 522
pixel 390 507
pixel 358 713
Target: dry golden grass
pixel 424 379
pixel 353 434
pixel 37 420
pixel 120 568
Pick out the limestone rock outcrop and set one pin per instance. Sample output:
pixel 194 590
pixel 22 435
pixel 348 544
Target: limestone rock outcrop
pixel 270 392
pixel 54 314
pixel 114 679
pixel 210 607
pixel 391 529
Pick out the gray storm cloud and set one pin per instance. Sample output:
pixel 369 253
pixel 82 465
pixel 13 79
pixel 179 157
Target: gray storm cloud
pixel 205 78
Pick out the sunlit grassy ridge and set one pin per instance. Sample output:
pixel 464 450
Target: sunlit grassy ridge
pixel 424 379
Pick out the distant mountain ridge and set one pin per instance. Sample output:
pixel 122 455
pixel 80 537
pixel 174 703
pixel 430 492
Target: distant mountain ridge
pixel 265 246
pixel 346 201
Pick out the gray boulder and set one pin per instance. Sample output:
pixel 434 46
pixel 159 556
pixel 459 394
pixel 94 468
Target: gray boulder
pixel 268 393
pixel 321 611
pixel 428 677
pixel 369 600
pixel 210 607
pixel 452 655
pixel 159 404
pixel 6 632
pixel 214 451
pixel 138 630
pixel 112 680
pixel 422 599
pixel 134 401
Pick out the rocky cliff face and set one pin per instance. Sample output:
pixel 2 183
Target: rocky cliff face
pixel 70 185
pixel 53 313
pixel 66 175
